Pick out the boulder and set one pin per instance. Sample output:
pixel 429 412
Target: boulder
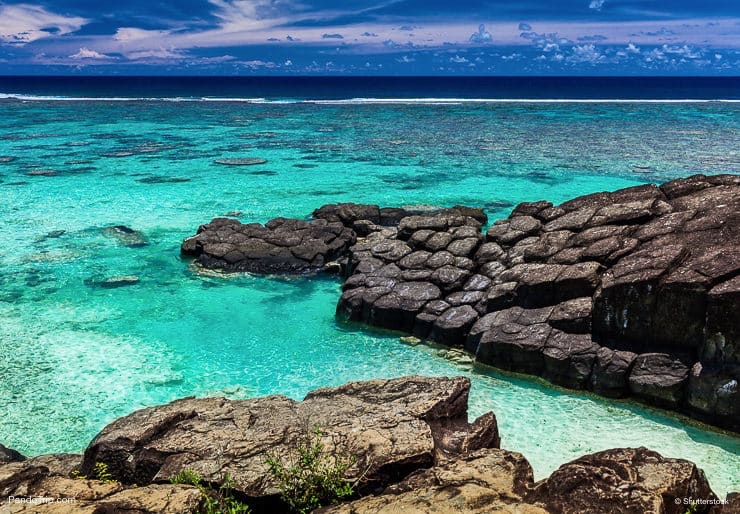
pixel 713 395
pixel 10 455
pixel 451 327
pixel 623 480
pixel 569 359
pixel 658 379
pixel 485 481
pixel 395 427
pixel 610 372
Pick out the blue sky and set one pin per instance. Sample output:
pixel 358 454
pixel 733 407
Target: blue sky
pixel 384 37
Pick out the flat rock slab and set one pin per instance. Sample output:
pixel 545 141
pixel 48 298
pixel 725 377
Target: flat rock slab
pixel 392 427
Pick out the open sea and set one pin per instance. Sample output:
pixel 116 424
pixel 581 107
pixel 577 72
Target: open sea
pixel 78 155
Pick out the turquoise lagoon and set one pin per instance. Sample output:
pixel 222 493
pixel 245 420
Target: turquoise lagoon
pixel 74 356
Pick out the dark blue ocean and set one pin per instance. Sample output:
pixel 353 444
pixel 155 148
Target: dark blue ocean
pixel 628 88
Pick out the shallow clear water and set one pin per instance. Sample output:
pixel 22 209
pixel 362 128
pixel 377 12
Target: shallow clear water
pixel 74 356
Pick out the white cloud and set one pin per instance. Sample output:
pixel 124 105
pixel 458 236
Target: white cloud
pixel 585 54
pixel 86 53
pixel 130 34
pixel 157 54
pixel 631 48
pixel 596 4
pixel 23 23
pixel 458 59
pixel 482 36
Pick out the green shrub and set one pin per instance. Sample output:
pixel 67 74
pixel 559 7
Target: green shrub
pixel 313 478
pixel 215 501
pixel 99 472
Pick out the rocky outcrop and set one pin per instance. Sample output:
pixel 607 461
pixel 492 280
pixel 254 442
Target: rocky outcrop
pixel 485 481
pixel 393 427
pixel 630 293
pixel 414 452
pixel 46 484
pixel 624 480
pixel 280 246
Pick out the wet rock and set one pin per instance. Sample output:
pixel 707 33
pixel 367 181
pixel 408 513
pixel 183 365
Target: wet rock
pixel 280 246
pixel 713 395
pixel 451 327
pixel 349 213
pixel 405 424
pixel 572 316
pixel 623 480
pixel 722 341
pixel 610 372
pixel 568 359
pixel 658 379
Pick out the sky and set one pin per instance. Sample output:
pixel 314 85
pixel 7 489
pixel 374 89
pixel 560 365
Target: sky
pixel 370 37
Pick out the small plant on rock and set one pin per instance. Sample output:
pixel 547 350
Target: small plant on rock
pixel 99 472
pixel 313 478
pixel 215 501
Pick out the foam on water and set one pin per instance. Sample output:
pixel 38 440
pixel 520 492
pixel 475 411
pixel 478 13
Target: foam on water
pixel 74 356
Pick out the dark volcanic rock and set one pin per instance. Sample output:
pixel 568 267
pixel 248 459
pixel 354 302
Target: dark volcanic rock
pixel 10 455
pixel 280 246
pixel 623 480
pixel 452 326
pixel 618 292
pixel 610 372
pixel 659 379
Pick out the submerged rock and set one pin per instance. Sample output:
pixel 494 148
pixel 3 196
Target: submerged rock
pixel 162 180
pixel 241 161
pixel 126 236
pixel 121 281
pixel 42 173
